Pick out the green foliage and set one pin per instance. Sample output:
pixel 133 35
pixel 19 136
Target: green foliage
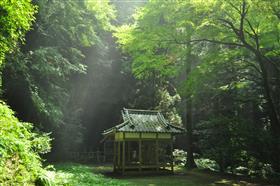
pixel 147 41
pixel 220 131
pixel 103 11
pixel 55 64
pixel 54 53
pixel 72 24
pixel 45 71
pixel 20 147
pixel 167 104
pixel 180 157
pixel 15 20
pixel 208 164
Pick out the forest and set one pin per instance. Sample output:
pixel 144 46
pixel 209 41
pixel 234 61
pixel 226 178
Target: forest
pixel 68 68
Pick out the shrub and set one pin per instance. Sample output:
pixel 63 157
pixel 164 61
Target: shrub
pixel 20 146
pixel 204 163
pixel 180 157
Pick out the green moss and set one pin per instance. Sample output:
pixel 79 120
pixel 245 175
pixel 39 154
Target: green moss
pixel 81 175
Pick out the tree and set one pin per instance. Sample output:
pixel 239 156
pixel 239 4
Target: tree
pixel 37 79
pixel 240 25
pixel 20 145
pixel 153 43
pixel 168 36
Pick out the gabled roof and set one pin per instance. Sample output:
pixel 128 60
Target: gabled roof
pixel 144 121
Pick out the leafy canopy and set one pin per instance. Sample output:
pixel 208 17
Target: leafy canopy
pixel 55 52
pixel 16 17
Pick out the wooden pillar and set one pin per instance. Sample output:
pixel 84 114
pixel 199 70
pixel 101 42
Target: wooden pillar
pixel 104 151
pixel 128 152
pixel 119 154
pixel 140 152
pixel 98 156
pixel 157 153
pixel 123 154
pixel 115 155
pixel 171 146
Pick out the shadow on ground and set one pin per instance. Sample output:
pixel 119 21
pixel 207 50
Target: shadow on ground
pixel 180 178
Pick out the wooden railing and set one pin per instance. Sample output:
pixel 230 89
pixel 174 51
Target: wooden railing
pixel 91 156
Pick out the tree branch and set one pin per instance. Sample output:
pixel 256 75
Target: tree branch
pixel 254 66
pixel 217 42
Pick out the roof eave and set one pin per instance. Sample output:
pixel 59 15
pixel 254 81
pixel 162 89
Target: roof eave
pixel 114 129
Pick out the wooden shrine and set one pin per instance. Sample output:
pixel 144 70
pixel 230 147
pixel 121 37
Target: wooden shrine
pixel 143 142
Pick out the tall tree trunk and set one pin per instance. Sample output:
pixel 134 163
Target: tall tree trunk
pixel 275 123
pixel 273 115
pixel 189 120
pixel 190 159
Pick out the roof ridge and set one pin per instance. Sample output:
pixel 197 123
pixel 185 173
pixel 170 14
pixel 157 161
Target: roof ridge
pixel 128 117
pixel 141 110
pixel 161 117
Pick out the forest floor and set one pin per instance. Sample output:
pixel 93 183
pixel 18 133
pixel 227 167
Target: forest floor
pixel 89 175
